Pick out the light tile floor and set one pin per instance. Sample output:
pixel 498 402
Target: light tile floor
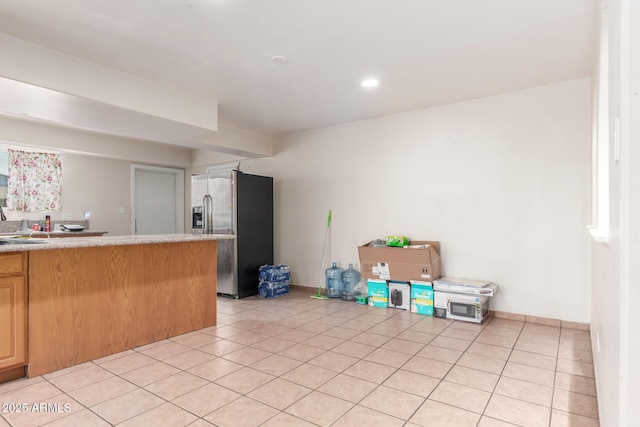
pixel 298 361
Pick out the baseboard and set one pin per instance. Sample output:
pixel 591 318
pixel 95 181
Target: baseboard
pixel 547 321
pixel 504 315
pixel 304 288
pixel 12 374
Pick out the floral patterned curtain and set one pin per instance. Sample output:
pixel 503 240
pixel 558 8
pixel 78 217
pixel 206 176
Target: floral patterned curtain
pixel 35 181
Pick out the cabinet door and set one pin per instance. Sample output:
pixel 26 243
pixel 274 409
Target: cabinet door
pixel 13 320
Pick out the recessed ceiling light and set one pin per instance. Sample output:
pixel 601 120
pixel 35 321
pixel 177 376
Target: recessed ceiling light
pixel 279 59
pixel 370 83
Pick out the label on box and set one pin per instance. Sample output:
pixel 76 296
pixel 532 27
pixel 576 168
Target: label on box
pixel 440 313
pixel 383 271
pixel 440 305
pixel 423 300
pixel 382 299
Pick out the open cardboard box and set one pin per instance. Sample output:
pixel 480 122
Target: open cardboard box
pixel 401 264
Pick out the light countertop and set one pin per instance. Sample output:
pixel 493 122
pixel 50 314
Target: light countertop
pixel 86 242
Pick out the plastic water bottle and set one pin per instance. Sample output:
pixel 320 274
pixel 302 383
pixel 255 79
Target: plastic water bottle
pixel 334 281
pixel 350 278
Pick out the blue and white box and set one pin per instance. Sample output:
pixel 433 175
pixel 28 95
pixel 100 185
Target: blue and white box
pixel 422 297
pixel 273 280
pixel 378 293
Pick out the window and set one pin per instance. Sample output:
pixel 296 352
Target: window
pixel 34 181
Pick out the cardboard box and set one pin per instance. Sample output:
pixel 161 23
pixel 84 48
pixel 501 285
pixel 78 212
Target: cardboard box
pixel 378 293
pixel 399 295
pixel 440 304
pixel 464 307
pixel 422 298
pixel 465 286
pixel 420 261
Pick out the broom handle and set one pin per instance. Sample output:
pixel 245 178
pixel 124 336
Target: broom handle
pixel 327 235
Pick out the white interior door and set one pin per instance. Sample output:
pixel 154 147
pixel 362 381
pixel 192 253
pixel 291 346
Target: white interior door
pixel 157 200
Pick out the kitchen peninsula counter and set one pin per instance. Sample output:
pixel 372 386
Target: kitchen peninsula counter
pixel 90 297
pixel 44 243
pixel 59 234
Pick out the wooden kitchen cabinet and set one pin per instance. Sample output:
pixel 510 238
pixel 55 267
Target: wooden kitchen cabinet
pixel 13 315
pixel 86 303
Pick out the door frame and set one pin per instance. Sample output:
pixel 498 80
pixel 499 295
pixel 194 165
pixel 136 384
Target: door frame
pixel 179 177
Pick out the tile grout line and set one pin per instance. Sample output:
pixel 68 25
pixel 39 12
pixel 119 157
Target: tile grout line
pixel 501 372
pixel 440 380
pixel 275 377
pixel 511 351
pixel 405 325
pixel 81 405
pixel 316 389
pixel 378 385
pixel 138 387
pixel 359 359
pixel 555 376
pixel 341 372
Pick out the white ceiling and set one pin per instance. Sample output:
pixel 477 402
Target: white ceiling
pixel 424 52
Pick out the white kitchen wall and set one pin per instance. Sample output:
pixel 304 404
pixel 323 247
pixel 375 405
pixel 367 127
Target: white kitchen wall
pixel 502 182
pixel 95 169
pixel 100 185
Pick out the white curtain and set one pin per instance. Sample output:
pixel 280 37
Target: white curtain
pixel 35 181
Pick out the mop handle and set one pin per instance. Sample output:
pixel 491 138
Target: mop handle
pixel 324 247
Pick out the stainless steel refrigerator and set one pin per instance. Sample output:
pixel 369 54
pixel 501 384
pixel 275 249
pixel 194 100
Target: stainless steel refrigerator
pixel 242 205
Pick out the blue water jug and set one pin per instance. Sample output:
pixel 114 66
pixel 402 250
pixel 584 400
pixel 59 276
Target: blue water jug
pixel 350 279
pixel 334 281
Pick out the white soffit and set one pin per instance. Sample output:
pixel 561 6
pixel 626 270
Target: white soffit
pixel 26 101
pixel 41 84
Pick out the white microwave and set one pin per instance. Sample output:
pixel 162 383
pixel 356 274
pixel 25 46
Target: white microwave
pixel 469 308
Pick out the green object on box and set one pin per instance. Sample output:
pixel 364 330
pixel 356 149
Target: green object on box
pixel 397 241
pixel 361 299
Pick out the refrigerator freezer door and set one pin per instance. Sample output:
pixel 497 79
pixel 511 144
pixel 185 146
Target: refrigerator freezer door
pixel 221 190
pixel 254 199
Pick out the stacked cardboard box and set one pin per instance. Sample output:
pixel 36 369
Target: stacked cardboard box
pixel 399 295
pixel 418 261
pixel 378 293
pixel 405 273
pixel 409 278
pixel 465 286
pixel 422 297
pixel 463 299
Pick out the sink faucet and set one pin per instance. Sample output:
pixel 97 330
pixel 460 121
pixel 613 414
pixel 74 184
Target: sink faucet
pixel 3 217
